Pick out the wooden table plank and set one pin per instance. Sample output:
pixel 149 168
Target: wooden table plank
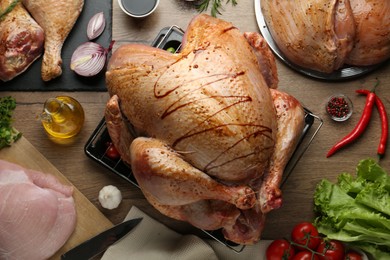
pixel 89 177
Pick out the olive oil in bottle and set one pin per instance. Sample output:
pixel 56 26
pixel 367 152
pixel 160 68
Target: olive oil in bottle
pixel 62 117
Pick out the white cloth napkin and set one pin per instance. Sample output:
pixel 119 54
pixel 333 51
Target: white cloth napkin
pixel 153 240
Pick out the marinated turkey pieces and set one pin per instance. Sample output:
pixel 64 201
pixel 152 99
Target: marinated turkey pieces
pixel 24 38
pixel 57 19
pixel 325 35
pixel 205 131
pixel 21 41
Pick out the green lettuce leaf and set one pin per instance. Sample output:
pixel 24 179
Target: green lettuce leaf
pixel 356 209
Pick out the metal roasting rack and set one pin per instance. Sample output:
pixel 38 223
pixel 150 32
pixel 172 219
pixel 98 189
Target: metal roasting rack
pixel 96 147
pixel 169 37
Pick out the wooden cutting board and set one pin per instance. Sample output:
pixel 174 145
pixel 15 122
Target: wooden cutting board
pixel 90 221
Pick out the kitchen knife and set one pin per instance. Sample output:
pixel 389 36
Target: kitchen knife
pixel 101 242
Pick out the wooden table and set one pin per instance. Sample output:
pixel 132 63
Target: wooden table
pixel 89 177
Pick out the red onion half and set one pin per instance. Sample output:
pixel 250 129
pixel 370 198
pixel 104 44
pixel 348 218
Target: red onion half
pixel 89 59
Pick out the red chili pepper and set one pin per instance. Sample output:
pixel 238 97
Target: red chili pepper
pixel 384 120
pixel 359 128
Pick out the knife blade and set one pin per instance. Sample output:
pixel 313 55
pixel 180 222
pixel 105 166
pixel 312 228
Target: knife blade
pixel 100 242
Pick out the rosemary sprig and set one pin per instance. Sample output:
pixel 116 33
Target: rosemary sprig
pixel 8 9
pixel 216 6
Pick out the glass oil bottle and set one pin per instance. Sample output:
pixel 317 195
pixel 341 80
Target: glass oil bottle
pixel 62 117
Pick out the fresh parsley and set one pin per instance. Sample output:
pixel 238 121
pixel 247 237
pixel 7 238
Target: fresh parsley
pixel 8 134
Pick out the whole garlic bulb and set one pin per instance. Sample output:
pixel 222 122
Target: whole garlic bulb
pixel 110 197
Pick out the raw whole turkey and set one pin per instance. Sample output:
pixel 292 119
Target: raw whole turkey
pixel 37 213
pixel 21 41
pixel 205 131
pixel 325 35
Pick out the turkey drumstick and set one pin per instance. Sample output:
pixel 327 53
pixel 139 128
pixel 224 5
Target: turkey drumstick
pixel 57 19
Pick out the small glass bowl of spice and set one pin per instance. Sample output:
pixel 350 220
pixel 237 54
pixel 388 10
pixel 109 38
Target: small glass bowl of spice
pixel 339 107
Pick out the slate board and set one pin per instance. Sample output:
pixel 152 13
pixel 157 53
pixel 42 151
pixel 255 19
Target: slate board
pixel 31 80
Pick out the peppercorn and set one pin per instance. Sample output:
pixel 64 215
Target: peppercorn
pixel 339 107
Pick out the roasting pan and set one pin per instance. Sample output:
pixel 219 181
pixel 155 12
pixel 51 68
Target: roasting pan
pixel 96 147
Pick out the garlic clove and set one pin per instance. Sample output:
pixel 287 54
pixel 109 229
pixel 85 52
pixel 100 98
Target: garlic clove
pixel 96 26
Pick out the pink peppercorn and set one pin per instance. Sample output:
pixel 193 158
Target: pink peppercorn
pixel 339 107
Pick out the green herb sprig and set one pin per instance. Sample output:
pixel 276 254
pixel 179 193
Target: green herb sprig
pixel 8 134
pixel 8 9
pixel 216 6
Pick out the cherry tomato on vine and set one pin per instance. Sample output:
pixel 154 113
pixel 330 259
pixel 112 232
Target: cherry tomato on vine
pixel 353 255
pixel 305 233
pixel 112 152
pixel 305 255
pixel 332 250
pixel 280 249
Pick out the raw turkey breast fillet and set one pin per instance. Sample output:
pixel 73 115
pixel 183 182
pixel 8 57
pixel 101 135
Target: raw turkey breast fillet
pixel 37 213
